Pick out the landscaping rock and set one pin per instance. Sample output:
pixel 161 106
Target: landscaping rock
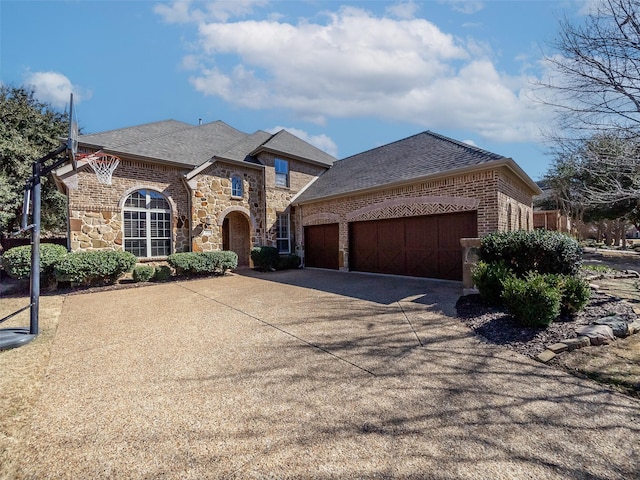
pixel 558 347
pixel 545 356
pixel 579 342
pixel 618 324
pixel 598 334
pixel 593 286
pixel 634 327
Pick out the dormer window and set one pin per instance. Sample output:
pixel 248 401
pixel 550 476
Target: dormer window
pixel 282 173
pixel 236 186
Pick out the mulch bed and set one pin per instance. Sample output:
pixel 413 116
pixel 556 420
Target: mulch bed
pixel 497 326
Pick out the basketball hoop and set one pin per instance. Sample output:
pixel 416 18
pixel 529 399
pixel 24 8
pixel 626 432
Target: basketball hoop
pixel 102 163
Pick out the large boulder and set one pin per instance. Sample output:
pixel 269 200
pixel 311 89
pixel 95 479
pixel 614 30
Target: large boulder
pixel 598 334
pixel 618 324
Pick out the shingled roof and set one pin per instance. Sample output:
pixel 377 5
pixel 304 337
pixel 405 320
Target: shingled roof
pixel 420 156
pixel 181 143
pixel 168 141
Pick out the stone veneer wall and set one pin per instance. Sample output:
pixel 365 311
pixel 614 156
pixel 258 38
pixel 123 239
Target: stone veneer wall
pixel 279 198
pixel 212 201
pixel 95 210
pixel 482 191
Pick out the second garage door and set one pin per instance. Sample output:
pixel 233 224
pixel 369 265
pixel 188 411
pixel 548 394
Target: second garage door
pixel 426 246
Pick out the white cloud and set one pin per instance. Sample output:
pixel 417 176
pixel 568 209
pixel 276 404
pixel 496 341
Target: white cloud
pixel 55 88
pixel 181 11
pixel 403 9
pixel 466 6
pixel 323 142
pixel 357 64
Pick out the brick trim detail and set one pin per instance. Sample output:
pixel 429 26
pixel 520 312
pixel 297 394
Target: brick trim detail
pixel 409 207
pixel 321 219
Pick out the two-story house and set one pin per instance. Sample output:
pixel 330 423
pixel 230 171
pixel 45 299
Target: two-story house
pixel 401 208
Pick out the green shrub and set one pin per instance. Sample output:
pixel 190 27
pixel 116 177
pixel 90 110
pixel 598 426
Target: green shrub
pixel 288 262
pixel 201 263
pixel 488 278
pixel 539 251
pixel 162 273
pixel 94 268
pixel 265 258
pixel 17 261
pixel 575 293
pixel 533 301
pixel 143 273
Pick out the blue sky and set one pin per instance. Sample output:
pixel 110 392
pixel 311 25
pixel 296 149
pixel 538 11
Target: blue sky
pixel 346 76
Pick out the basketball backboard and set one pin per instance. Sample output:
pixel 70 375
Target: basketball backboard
pixel 72 138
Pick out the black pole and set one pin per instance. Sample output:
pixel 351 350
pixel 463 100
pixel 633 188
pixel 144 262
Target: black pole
pixel 35 248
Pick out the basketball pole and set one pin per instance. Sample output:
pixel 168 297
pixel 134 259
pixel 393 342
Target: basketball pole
pixel 35 184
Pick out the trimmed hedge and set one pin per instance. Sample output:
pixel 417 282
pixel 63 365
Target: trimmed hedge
pixel 533 301
pixel 265 258
pixel 143 273
pixel 268 258
pixel 489 278
pixel 288 262
pixel 538 251
pixel 94 268
pixel 202 263
pixel 574 293
pixel 162 273
pixel 17 261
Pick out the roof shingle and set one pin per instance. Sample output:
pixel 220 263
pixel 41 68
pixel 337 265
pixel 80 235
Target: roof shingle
pixel 418 156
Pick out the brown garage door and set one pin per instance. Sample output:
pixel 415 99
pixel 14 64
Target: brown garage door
pixel 417 246
pixel 321 246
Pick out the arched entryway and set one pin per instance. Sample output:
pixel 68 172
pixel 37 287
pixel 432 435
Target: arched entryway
pixel 236 236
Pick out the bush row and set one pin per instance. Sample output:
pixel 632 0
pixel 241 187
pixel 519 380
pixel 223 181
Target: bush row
pixel 105 267
pixel 533 274
pixel 538 251
pixel 268 258
pixel 200 263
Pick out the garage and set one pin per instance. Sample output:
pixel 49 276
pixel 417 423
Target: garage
pixel 425 246
pixel 321 246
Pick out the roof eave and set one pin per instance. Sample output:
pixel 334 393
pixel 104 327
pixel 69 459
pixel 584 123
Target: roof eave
pixel 262 148
pixel 507 162
pixel 203 166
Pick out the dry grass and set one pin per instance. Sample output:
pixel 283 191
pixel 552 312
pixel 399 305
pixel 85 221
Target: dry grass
pixel 23 371
pixel 617 365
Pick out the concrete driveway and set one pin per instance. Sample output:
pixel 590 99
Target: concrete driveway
pixel 310 374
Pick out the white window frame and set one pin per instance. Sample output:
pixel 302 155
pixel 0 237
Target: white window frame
pixel 280 175
pixel 281 235
pixel 148 211
pixel 237 178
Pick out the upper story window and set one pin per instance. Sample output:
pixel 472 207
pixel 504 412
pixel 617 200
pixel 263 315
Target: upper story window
pixel 282 173
pixel 236 186
pixel 147 224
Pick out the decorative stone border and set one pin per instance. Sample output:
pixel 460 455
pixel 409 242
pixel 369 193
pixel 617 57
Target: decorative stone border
pixel 601 332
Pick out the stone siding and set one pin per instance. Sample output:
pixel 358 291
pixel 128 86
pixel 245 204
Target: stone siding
pixel 212 200
pixel 279 198
pixel 95 210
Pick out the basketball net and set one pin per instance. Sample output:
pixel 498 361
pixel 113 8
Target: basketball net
pixel 103 164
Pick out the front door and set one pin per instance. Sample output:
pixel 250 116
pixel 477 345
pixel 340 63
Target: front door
pixel 236 237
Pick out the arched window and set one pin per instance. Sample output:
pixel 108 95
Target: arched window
pixel 509 226
pixel 147 224
pixel 236 186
